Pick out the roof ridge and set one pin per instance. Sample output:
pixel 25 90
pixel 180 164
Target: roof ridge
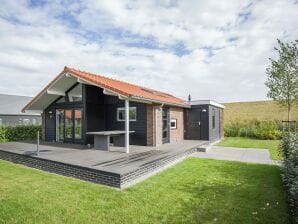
pixel 125 82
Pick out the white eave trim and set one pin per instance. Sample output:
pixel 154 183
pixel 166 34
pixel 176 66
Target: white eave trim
pixel 206 102
pixel 55 92
pixel 158 101
pixel 33 112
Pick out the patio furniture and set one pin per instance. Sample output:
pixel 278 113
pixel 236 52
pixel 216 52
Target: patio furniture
pixel 102 139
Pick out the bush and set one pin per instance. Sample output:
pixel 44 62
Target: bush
pixel 3 132
pixel 289 149
pixel 19 132
pixel 270 130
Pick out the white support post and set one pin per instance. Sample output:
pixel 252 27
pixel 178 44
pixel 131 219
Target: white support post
pixel 37 143
pixel 127 126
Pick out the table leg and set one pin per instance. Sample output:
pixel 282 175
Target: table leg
pixel 102 142
pixel 119 140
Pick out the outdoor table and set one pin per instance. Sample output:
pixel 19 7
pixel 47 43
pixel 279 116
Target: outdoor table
pixel 102 139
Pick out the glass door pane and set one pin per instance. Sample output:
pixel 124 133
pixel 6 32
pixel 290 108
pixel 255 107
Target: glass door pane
pixel 59 125
pixel 69 124
pixel 78 123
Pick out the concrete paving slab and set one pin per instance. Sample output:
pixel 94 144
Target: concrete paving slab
pixel 251 155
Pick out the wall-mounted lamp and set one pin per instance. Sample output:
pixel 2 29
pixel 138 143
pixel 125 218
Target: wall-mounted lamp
pixel 51 113
pixel 204 110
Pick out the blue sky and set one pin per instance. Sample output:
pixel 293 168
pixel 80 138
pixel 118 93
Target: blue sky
pixel 210 49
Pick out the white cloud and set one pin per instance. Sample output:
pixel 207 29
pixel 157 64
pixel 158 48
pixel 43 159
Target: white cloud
pixel 36 42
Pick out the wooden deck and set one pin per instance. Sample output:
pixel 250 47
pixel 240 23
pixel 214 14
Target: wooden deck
pixel 140 162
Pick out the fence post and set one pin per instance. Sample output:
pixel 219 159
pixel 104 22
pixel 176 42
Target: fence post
pixel 37 145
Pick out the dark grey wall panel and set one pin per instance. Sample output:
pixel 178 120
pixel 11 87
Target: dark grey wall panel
pixel 204 114
pixel 193 115
pixel 139 126
pixel 94 111
pixel 50 125
pixel 214 132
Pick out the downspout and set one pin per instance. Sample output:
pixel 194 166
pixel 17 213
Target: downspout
pixel 153 126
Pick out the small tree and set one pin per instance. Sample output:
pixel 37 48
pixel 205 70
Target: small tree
pixel 283 75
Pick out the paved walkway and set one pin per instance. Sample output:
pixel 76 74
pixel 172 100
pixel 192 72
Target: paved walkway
pixel 252 155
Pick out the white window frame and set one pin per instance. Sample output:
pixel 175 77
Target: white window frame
pixel 34 121
pixel 123 109
pixel 26 121
pixel 174 120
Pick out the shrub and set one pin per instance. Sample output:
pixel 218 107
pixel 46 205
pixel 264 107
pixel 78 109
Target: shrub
pixel 289 149
pixel 19 132
pixel 254 129
pixel 3 132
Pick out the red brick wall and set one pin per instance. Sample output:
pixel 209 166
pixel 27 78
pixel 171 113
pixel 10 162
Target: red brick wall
pixel 178 133
pixel 154 129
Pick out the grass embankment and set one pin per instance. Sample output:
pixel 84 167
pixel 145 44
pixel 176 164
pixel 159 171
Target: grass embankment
pixel 271 145
pixel 194 191
pixel 256 110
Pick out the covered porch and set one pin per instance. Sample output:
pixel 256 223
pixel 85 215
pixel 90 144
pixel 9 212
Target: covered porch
pixel 80 107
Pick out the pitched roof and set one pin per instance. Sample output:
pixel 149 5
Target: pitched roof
pixel 13 104
pixel 125 88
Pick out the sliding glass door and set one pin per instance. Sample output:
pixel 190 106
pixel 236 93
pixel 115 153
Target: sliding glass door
pixel 68 125
pixel 59 125
pixel 78 124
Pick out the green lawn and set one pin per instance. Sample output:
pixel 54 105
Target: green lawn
pixel 194 191
pixel 271 145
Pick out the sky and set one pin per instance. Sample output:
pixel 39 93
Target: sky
pixel 211 49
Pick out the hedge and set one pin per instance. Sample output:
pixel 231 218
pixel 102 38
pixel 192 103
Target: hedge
pixel 289 149
pixel 19 132
pixel 270 130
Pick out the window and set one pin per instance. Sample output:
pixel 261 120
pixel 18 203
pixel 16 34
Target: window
pixel 62 100
pixel 59 125
pixel 68 123
pixel 75 95
pixel 213 118
pixel 121 114
pixel 78 123
pixel 34 121
pixel 173 124
pixel 26 121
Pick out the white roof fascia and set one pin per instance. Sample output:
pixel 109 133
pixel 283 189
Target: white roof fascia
pixel 159 102
pixel 204 102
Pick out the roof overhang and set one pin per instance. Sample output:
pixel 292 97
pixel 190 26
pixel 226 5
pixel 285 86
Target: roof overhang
pixel 206 102
pixel 65 80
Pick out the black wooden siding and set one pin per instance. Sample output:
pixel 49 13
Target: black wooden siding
pixel 94 119
pixel 99 114
pixel 139 126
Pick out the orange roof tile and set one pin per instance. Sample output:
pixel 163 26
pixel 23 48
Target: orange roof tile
pixel 126 89
pixel 123 88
